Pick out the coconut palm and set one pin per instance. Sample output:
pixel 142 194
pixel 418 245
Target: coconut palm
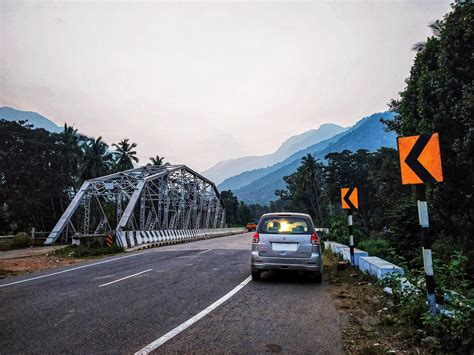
pixel 97 158
pixel 70 141
pixel 157 161
pixel 69 133
pixel 437 28
pixel 124 155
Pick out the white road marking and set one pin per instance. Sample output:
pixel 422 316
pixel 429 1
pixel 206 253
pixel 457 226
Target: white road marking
pixel 159 250
pixel 160 341
pixel 124 278
pixel 68 270
pixel 204 251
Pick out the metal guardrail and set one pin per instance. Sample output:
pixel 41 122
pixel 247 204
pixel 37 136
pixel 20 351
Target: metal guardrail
pixel 33 234
pixel 7 236
pixel 129 239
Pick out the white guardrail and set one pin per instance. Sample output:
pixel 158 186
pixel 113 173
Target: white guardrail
pixel 5 237
pixel 371 265
pixel 129 239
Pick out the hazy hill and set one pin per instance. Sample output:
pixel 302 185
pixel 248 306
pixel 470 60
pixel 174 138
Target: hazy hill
pixel 228 168
pixel 368 134
pixel 37 120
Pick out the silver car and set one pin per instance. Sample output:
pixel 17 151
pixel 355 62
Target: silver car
pixel 286 241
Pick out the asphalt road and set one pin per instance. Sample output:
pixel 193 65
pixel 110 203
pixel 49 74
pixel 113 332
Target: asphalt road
pixel 121 304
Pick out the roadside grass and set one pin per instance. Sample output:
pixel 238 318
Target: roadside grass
pixel 20 241
pixel 369 325
pixel 86 251
pixel 94 248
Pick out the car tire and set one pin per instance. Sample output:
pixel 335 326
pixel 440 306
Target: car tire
pixel 256 275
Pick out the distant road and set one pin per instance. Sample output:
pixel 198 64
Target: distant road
pixel 125 303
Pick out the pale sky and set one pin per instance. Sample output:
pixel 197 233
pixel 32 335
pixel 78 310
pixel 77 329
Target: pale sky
pixel 201 82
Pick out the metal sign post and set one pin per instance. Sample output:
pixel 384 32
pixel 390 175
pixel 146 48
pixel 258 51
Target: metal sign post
pixel 350 202
pixel 427 258
pixel 420 163
pixel 351 234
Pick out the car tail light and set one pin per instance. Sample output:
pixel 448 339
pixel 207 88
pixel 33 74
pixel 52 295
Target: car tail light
pixel 314 239
pixel 255 238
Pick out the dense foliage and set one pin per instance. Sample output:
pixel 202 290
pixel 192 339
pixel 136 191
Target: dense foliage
pixel 439 97
pixel 238 213
pixel 39 171
pixel 387 209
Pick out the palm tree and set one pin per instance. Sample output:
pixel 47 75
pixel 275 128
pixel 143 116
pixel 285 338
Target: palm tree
pixel 124 154
pixel 157 161
pixel 309 170
pixel 69 133
pixel 97 158
pixel 70 141
pixel 437 28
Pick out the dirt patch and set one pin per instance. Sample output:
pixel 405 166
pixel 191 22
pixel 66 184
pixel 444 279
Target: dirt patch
pixel 28 264
pixel 368 325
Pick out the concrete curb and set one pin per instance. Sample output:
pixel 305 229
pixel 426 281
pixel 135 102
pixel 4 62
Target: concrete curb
pixel 371 265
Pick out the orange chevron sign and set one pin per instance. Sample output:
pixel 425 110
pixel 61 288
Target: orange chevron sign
pixel 420 159
pixel 349 198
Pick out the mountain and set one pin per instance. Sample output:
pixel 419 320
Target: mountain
pixel 38 121
pixel 232 167
pixel 368 134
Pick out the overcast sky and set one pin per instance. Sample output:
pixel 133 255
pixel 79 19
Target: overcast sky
pixel 201 82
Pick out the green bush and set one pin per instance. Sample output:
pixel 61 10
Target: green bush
pixel 5 245
pixel 452 329
pixel 382 249
pixel 378 247
pixel 339 231
pixel 19 241
pixel 81 251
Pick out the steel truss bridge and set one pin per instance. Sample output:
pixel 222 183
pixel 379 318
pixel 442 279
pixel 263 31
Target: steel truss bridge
pixel 171 198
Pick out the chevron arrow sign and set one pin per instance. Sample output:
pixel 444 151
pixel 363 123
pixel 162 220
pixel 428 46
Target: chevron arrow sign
pixel 349 198
pixel 420 159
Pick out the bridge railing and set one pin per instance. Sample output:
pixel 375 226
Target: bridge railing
pixel 130 239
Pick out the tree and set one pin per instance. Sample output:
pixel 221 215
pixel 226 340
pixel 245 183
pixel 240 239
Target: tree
pixel 157 161
pixel 437 28
pixel 439 97
pixel 71 140
pixel 311 172
pixel 303 188
pixel 35 176
pixel 124 155
pixel 98 160
pixel 243 214
pixel 231 204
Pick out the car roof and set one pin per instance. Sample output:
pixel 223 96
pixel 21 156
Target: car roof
pixel 286 214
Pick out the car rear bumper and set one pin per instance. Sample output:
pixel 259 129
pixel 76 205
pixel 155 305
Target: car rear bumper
pixel 313 263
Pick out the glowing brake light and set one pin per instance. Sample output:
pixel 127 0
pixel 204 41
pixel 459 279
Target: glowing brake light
pixel 314 239
pixel 255 238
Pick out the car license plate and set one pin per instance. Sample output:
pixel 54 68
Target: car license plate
pixel 285 246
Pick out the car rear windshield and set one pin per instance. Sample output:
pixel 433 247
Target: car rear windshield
pixel 285 225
